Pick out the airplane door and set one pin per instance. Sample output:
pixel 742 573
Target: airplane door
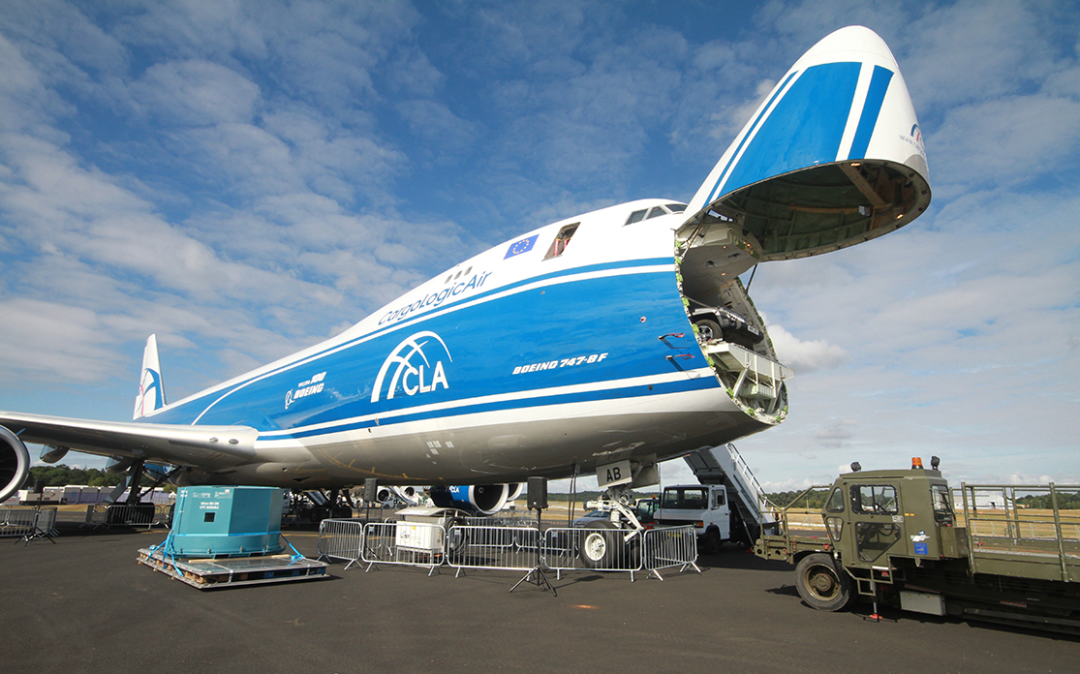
pixel 876 518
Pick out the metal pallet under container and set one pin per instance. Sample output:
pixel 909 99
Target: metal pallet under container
pixel 211 573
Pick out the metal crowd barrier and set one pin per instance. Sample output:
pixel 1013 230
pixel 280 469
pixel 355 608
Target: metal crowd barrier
pixel 514 548
pixel 404 543
pixel 24 522
pixel 516 518
pixel 670 547
pixel 577 549
pixel 492 547
pixel 341 539
pixel 116 514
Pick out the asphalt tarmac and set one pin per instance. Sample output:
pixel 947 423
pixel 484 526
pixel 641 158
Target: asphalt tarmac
pixel 85 605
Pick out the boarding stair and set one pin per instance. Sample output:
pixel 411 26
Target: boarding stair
pixel 724 465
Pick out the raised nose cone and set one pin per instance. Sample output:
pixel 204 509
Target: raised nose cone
pixel 833 156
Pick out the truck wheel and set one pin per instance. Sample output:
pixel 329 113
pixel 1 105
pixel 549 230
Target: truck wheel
pixel 600 549
pixel 712 542
pixel 821 584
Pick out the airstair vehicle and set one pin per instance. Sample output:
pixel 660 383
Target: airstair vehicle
pixel 725 466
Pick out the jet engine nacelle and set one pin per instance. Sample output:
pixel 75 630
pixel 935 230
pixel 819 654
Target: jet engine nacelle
pixel 14 463
pixel 389 496
pixel 384 495
pixel 486 499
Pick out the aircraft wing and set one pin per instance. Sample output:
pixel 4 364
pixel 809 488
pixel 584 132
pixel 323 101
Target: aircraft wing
pixel 205 446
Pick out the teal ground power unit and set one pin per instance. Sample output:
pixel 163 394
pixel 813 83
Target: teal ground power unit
pixel 227 521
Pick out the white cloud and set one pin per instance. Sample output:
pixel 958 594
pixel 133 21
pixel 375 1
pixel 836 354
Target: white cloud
pixel 838 434
pixel 25 102
pixel 436 123
pixel 805 356
pixel 732 118
pixel 1006 141
pixel 53 341
pixel 66 46
pixel 57 205
pixel 976 51
pixel 196 93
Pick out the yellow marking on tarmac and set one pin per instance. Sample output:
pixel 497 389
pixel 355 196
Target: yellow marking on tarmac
pixel 586 606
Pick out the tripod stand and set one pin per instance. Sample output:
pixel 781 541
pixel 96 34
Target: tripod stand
pixel 537 572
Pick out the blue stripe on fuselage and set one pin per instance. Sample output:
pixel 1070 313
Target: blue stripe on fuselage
pixel 804 129
pixel 746 137
pixel 484 341
pixel 622 393
pixel 875 96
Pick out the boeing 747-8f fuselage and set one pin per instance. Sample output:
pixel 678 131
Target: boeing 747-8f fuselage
pixel 621 337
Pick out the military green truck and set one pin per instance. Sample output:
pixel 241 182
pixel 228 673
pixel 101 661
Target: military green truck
pixel 894 536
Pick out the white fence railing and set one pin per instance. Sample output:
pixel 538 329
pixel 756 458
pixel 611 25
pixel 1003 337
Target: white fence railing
pixel 403 543
pixel 668 548
pixel 576 549
pixel 25 522
pixel 508 548
pixel 120 514
pixel 492 547
pixel 341 539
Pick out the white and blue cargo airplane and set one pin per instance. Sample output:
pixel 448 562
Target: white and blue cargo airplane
pixel 607 341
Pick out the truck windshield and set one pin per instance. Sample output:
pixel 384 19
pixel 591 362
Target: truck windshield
pixel 686 498
pixel 874 499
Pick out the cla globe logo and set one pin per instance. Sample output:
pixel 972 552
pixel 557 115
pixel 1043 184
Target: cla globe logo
pixel 916 133
pixel 414 372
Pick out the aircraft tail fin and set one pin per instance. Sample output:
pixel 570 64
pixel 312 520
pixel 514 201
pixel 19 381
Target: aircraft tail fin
pixel 151 390
pixel 831 158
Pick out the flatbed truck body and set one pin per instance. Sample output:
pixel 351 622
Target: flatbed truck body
pixel 895 536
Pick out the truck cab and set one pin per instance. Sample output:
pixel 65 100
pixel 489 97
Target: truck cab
pixel 704 506
pixel 905 513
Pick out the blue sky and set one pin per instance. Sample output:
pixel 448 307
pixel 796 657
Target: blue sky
pixel 247 178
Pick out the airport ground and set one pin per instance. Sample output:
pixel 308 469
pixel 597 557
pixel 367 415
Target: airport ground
pixel 83 604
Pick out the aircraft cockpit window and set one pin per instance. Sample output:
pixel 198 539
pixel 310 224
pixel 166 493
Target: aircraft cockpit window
pixel 656 212
pixel 636 216
pixel 677 208
pixel 562 240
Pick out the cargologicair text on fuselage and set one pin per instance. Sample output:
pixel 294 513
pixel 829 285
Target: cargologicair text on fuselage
pixel 435 299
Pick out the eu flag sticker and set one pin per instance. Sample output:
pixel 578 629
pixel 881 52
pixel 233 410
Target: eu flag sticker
pixel 519 247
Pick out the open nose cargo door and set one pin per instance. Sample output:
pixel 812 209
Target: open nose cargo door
pixel 833 157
